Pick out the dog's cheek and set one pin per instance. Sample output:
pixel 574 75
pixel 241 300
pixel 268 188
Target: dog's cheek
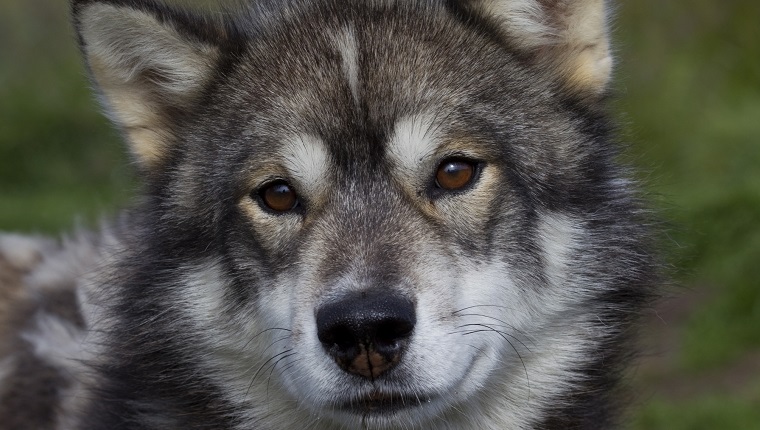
pixel 486 310
pixel 275 233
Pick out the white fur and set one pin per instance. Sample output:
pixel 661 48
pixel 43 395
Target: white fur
pixel 62 266
pixel 202 294
pixel 482 379
pixel 557 234
pixel 414 139
pixel 62 345
pixel 238 347
pixel 346 42
pixel 56 341
pixel 21 251
pixel 524 20
pixel 306 160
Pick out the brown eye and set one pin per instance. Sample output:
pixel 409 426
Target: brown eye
pixel 454 174
pixel 279 197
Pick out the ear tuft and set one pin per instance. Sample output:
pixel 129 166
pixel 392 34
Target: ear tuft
pixel 147 66
pixel 569 36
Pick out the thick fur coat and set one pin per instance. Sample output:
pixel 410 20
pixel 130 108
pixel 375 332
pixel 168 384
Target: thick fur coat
pixel 370 214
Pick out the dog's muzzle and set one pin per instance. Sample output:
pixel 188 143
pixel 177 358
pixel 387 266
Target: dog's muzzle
pixel 366 332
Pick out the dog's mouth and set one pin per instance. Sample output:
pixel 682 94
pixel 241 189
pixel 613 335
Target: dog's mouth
pixel 377 402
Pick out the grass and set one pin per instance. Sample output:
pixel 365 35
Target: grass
pixel 693 106
pixel 689 98
pixel 59 158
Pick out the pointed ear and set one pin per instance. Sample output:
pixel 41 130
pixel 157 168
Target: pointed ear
pixel 149 63
pixel 570 36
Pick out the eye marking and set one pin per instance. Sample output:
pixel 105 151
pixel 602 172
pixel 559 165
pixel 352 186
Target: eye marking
pixel 455 174
pixel 277 196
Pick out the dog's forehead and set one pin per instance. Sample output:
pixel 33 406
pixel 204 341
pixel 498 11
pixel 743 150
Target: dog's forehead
pixel 352 81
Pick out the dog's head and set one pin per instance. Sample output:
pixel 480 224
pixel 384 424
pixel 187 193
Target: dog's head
pixel 380 212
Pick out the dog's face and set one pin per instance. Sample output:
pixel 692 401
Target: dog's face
pixel 365 199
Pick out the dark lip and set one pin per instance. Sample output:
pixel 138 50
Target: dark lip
pixel 384 403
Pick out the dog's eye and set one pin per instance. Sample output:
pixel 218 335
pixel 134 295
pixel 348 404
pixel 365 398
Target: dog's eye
pixel 454 174
pixel 279 196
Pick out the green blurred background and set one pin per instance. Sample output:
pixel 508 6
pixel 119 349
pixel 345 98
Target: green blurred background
pixel 688 79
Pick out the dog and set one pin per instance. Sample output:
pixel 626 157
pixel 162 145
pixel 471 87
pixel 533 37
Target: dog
pixel 376 214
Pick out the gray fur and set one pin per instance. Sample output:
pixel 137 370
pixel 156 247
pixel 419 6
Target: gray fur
pixel 198 309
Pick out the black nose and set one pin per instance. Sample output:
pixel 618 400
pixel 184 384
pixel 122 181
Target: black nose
pixel 366 333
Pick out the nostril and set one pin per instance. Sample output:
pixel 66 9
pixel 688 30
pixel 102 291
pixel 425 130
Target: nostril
pixel 390 335
pixel 336 334
pixel 392 330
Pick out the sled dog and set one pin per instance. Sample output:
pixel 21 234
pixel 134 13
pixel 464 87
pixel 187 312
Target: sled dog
pixel 376 214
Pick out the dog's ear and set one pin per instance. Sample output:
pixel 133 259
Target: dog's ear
pixel 570 36
pixel 150 63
